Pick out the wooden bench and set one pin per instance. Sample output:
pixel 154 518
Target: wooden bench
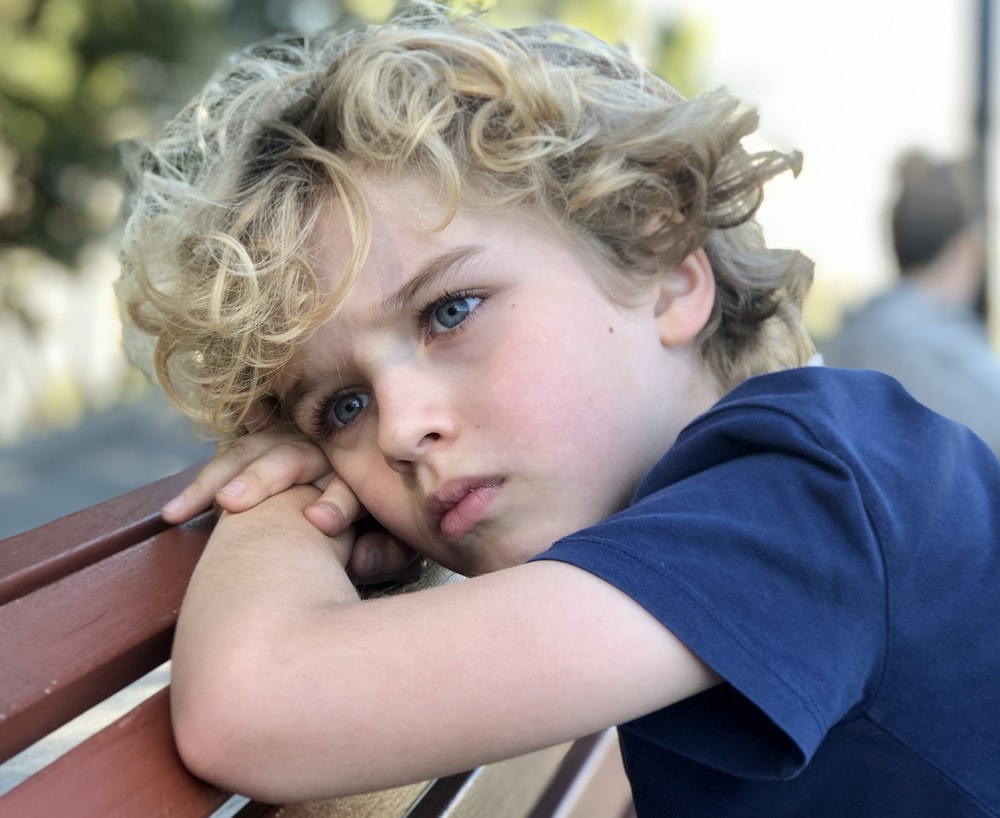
pixel 88 605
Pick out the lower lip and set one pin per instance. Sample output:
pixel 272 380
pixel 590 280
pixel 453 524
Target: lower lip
pixel 462 517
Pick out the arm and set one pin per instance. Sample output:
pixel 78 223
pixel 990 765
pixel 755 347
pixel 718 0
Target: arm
pixel 287 687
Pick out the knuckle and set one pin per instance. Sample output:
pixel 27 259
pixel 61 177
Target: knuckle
pixel 294 452
pixel 241 449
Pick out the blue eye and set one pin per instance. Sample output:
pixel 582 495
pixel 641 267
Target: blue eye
pixel 346 408
pixel 336 412
pixel 448 314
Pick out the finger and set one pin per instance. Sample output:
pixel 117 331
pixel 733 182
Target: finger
pixel 200 493
pixel 337 507
pixel 380 557
pixel 291 463
pixel 223 468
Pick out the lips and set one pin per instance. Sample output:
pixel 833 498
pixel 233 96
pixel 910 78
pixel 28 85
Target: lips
pixel 460 505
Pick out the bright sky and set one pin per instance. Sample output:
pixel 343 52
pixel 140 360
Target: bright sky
pixel 849 83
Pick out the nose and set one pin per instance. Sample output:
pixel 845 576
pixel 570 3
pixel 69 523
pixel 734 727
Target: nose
pixel 414 416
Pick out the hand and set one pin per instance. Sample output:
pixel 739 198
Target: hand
pixel 260 465
pixel 267 462
pixel 377 557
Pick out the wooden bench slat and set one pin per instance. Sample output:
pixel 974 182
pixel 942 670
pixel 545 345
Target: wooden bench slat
pixel 42 555
pixel 591 783
pixel 73 643
pixel 88 604
pixel 506 789
pixel 394 803
pixel 509 788
pixel 128 769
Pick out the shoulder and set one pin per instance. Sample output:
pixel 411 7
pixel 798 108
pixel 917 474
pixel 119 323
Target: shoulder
pixel 816 412
pixel 836 405
pixel 807 391
pixel 801 442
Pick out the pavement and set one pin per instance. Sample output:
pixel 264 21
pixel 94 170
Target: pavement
pixel 46 476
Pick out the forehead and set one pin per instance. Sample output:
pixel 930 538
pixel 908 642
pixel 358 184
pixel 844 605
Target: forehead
pixel 398 229
pixel 369 239
pixel 395 227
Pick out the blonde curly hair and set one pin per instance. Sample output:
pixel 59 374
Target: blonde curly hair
pixel 218 285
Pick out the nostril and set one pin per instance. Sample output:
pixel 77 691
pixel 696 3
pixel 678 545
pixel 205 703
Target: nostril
pixel 398 464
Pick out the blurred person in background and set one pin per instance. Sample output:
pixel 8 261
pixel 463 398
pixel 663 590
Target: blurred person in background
pixel 925 331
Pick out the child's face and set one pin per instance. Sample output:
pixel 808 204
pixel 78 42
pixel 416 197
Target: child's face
pixel 479 392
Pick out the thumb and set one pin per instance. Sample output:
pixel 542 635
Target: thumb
pixel 336 508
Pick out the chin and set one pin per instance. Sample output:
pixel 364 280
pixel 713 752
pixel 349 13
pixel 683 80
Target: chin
pixel 485 562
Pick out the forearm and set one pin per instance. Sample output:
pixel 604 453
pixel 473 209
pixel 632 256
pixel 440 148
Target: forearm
pixel 265 576
pixel 285 689
pixel 264 565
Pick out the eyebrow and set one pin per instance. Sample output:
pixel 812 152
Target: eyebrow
pixel 426 277
pixel 429 274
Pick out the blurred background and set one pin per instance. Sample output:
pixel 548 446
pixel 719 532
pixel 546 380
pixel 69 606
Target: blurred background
pixel 852 84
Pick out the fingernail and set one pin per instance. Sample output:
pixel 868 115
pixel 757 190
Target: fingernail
pixel 327 518
pixel 234 489
pixel 173 506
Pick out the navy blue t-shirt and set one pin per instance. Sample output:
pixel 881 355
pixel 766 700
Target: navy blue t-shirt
pixel 832 549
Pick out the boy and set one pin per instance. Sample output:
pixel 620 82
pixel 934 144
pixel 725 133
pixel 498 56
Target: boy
pixel 509 287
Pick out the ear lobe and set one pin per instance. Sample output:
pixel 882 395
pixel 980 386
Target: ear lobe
pixel 685 300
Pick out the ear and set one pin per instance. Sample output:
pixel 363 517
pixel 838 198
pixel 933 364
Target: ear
pixel 685 299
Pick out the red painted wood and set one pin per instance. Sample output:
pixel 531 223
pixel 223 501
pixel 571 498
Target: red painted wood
pixel 130 768
pixel 42 555
pixel 71 644
pixel 88 604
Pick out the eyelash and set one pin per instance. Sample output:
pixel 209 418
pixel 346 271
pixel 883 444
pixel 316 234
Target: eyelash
pixel 425 314
pixel 322 427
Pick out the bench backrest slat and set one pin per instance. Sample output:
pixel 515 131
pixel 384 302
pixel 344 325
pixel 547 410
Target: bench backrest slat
pixel 38 557
pixel 88 604
pixel 129 768
pixel 72 644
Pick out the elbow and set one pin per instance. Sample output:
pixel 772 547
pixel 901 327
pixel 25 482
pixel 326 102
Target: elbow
pixel 199 746
pixel 208 736
pixel 221 733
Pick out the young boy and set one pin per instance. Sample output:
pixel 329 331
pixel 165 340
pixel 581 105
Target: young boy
pixel 509 286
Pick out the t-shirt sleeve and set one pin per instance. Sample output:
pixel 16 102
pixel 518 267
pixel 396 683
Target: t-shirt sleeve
pixel 750 541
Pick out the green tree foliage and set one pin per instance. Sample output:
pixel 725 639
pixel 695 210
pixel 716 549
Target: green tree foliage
pixel 78 77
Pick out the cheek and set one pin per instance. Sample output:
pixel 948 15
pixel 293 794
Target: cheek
pixel 365 472
pixel 378 488
pixel 550 385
